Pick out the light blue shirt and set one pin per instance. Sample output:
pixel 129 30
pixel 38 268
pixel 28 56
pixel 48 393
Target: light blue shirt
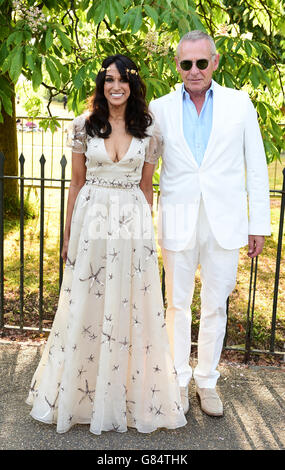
pixel 197 129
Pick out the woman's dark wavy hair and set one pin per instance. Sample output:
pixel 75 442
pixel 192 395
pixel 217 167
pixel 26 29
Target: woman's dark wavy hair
pixel 137 116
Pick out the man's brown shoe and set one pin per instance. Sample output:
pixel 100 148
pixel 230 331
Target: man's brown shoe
pixel 210 401
pixel 184 398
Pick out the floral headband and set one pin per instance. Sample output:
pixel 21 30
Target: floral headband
pixel 132 71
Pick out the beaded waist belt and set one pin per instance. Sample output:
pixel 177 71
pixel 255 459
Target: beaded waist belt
pixel 117 184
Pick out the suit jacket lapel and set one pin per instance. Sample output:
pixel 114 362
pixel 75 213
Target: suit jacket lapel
pixel 216 121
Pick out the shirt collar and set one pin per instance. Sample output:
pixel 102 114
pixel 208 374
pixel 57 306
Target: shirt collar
pixel 185 93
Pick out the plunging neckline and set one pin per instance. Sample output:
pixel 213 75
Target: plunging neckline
pixel 114 161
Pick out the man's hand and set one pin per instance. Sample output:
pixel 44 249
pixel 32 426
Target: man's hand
pixel 255 245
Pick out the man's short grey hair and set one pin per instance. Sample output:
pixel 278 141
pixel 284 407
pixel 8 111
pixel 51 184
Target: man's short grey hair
pixel 197 35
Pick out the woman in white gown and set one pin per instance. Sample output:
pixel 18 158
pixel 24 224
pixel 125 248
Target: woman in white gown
pixel 107 360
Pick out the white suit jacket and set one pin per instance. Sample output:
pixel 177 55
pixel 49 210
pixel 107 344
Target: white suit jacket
pixel 232 179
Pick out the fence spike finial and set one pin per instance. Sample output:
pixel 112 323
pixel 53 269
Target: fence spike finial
pixel 63 161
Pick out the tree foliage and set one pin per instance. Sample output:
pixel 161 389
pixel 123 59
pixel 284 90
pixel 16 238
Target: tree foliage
pixel 60 45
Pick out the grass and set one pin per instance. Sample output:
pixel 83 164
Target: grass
pixel 31 262
pixel 238 300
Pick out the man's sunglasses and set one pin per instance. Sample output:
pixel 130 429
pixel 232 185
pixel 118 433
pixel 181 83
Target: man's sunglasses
pixel 201 64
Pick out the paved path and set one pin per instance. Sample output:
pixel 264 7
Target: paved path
pixel 253 400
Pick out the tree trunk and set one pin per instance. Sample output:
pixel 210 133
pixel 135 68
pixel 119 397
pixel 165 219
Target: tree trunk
pixel 9 146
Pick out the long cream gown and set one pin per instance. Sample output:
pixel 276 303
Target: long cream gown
pixel 107 361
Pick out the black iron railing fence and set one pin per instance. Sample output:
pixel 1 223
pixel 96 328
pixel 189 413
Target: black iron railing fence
pixel 35 141
pixel 62 184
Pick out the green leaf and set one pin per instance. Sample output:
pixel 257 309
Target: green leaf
pixel 125 20
pixel 238 46
pixel 3 52
pixel 119 8
pixel 276 129
pixel 231 62
pixel 181 5
pixel 54 125
pixel 136 19
pixel 7 103
pixel 15 37
pixel 266 49
pixel 37 77
pixel 253 75
pixel 111 11
pixel 243 72
pixel 64 71
pixel 228 79
pixel 84 4
pixel 195 21
pixel 262 111
pixel 160 66
pixel 257 47
pixel 152 13
pixel 270 148
pixel 172 66
pixel 149 91
pixel 53 72
pixel 49 38
pixel 271 109
pixel 64 39
pixel 49 123
pixel 183 26
pixel 99 12
pixel 263 76
pixel 6 64
pixel 27 36
pixel 30 57
pixel 230 43
pixel 247 47
pixel 82 93
pixel 79 78
pixel 220 42
pixel 57 51
pixel 91 12
pixel 156 84
pixel 5 86
pixel 16 64
pixel 167 17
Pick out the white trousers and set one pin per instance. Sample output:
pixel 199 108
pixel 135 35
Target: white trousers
pixel 218 268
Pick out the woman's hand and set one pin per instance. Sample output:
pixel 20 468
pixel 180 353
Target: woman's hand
pixel 64 250
pixel 146 182
pixel 77 181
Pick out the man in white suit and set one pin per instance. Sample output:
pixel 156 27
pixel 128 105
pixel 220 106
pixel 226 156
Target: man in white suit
pixel 214 200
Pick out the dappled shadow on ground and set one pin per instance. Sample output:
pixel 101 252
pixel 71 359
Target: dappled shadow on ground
pixel 253 401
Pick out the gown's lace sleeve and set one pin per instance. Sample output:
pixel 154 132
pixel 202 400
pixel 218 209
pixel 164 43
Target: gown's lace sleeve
pixel 154 147
pixel 76 135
